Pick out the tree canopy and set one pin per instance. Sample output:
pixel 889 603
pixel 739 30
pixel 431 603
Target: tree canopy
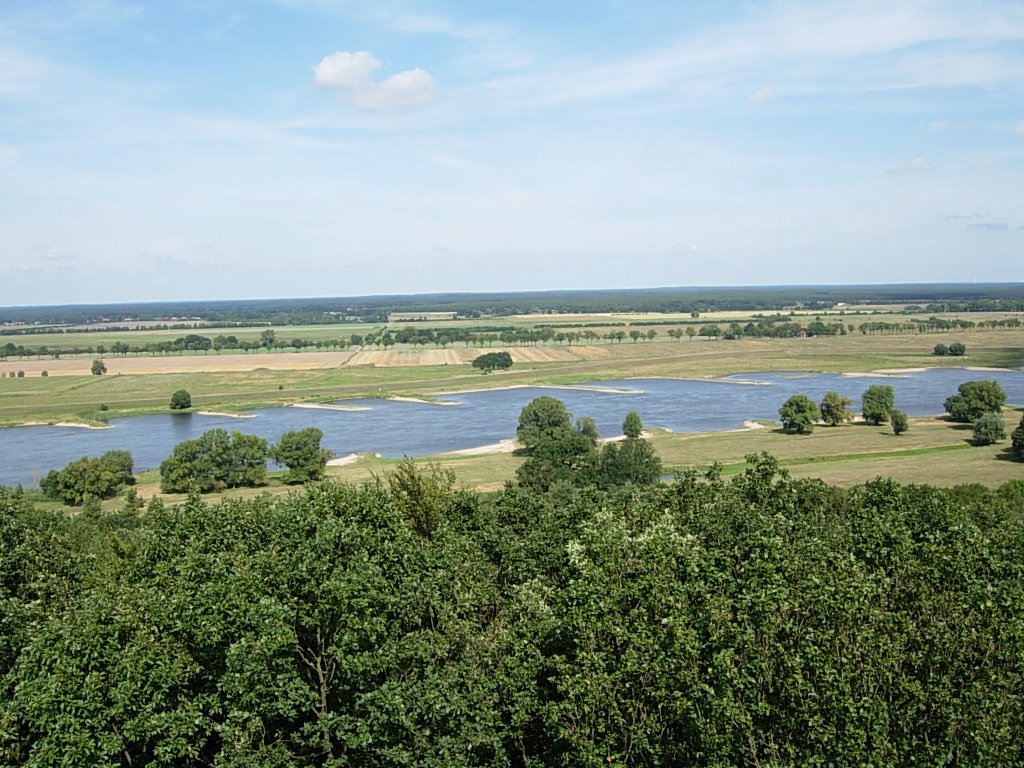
pixel 492 361
pixel 757 621
pixel 214 461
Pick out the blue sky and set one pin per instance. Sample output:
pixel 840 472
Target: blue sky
pixel 274 148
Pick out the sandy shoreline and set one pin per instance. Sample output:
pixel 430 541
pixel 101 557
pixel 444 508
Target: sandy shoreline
pixel 227 415
pixel 509 387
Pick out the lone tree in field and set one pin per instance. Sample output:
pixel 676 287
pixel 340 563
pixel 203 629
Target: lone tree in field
pixel 493 361
pixel 877 403
pixel 181 400
pixel 989 428
pixel 941 350
pixel 975 398
pixel 798 415
pixel 900 422
pixel 835 409
pixel 300 451
pixel 956 349
pixel 98 367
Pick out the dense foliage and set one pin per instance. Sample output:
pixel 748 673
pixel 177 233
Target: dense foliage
pixel 762 621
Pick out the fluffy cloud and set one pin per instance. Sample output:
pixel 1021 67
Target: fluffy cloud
pixel 351 76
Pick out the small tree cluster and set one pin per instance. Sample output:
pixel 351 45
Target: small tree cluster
pixel 493 361
pixel 899 421
pixel 974 399
pixel 89 478
pixel 98 367
pixel 214 461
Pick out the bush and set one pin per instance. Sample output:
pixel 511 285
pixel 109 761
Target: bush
pixel 957 349
pixel 940 350
pixel 900 422
pixel 181 400
pixel 44 374
pixel 21 374
pixel 798 415
pixel 1017 441
pixel 98 367
pixel 989 428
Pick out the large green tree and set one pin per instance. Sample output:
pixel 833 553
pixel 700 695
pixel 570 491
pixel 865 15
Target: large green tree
pixel 975 398
pixel 542 420
pixel 877 403
pixel 300 451
pixel 89 478
pixel 835 409
pixel 798 415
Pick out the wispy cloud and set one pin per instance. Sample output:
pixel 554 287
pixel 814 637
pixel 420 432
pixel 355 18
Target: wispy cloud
pixel 991 226
pixel 350 75
pixel 917 165
pixel 763 94
pixel 938 126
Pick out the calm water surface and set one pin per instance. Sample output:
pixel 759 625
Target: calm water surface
pixel 394 428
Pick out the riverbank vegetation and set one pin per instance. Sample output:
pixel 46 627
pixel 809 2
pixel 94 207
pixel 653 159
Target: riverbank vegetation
pixel 761 619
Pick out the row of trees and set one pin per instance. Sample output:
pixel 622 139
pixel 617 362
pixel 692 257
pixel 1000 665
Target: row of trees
pixel 709 622
pixel 800 413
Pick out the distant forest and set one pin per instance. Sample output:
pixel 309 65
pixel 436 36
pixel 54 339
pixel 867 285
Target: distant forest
pixel 947 297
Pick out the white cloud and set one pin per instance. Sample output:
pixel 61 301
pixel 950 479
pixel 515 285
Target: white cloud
pixel 351 76
pixel 937 126
pixel 766 93
pixel 917 165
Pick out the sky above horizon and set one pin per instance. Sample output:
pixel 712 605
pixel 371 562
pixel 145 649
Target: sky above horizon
pixel 285 148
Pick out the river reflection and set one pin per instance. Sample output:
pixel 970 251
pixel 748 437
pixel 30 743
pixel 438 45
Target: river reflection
pixel 472 419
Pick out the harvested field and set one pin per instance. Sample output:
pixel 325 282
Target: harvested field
pixel 401 358
pixel 543 355
pixel 80 366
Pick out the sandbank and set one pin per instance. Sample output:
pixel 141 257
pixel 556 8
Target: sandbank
pixel 421 400
pixel 330 407
pixel 504 446
pixel 227 415
pixel 341 461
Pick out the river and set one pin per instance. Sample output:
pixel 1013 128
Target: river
pixel 474 419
